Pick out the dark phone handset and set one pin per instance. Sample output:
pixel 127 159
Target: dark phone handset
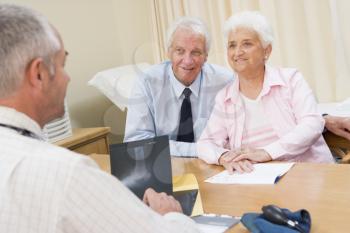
pixel 275 215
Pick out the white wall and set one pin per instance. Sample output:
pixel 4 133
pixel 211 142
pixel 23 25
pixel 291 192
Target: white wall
pixel 98 34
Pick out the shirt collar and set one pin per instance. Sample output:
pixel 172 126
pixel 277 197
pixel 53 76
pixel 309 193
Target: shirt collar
pixel 11 117
pixel 271 78
pixel 179 87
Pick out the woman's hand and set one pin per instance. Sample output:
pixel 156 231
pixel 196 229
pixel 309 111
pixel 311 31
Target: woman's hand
pixel 253 155
pixel 241 160
pixel 226 160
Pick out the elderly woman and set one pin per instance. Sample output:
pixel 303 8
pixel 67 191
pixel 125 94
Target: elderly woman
pixel 266 113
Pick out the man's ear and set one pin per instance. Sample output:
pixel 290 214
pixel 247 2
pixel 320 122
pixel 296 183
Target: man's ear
pixel 35 72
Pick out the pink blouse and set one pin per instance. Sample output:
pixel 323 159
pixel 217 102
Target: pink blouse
pixel 289 104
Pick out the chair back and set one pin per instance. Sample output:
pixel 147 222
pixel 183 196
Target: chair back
pixel 339 146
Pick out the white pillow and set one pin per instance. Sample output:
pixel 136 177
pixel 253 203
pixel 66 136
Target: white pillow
pixel 117 83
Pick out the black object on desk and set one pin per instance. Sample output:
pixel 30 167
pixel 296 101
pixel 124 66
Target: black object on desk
pixel 275 215
pixel 146 164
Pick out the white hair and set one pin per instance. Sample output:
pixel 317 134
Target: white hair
pixel 194 24
pixel 252 20
pixel 24 35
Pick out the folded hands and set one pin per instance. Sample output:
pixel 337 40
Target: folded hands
pixel 242 159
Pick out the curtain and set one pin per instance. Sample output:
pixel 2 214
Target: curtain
pixel 310 35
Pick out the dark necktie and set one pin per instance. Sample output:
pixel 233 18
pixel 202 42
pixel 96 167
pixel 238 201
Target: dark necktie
pixel 185 133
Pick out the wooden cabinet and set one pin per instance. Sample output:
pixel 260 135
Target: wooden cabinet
pixel 87 141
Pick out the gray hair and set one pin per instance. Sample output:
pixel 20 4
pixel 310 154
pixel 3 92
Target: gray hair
pixel 194 24
pixel 24 35
pixel 252 20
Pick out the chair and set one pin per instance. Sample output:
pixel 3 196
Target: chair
pixel 339 146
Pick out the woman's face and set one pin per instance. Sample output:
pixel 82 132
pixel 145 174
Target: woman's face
pixel 245 52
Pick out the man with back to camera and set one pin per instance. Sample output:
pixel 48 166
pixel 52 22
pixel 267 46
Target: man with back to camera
pixel 176 97
pixel 45 188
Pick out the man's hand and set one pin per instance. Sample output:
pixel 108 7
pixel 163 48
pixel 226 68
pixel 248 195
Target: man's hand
pixel 338 125
pixel 161 202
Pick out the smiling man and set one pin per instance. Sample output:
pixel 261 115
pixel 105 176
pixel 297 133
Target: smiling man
pixel 176 97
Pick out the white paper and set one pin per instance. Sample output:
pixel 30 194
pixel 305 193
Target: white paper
pixel 263 173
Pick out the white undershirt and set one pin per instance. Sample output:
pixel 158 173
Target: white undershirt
pixel 258 131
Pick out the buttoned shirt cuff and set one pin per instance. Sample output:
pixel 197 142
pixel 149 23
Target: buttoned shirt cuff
pixel 182 219
pixel 324 128
pixel 183 149
pixel 209 154
pixel 220 152
pixel 275 150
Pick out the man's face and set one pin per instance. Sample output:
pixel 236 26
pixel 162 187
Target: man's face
pixel 187 54
pixel 57 86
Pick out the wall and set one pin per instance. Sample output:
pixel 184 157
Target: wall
pixel 98 34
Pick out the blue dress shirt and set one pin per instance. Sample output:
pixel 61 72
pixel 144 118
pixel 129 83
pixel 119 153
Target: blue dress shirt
pixel 155 103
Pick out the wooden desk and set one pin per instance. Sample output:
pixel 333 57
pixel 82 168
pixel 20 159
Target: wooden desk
pixel 323 189
pixel 103 161
pixel 87 140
